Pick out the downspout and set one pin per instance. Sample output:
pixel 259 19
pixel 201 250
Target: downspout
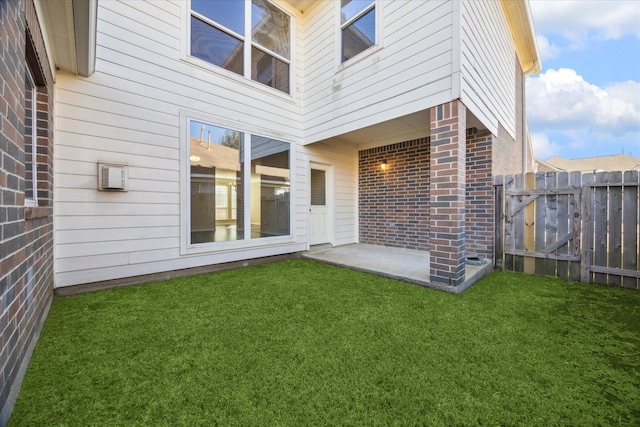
pixel 85 22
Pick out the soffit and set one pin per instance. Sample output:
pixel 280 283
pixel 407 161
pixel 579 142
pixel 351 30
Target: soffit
pixel 405 128
pixel 301 5
pixel 59 23
pixel 70 26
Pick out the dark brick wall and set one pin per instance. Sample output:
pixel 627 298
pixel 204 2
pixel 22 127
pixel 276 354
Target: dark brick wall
pixel 394 203
pixel 26 233
pixel 448 177
pixel 506 154
pixel 479 196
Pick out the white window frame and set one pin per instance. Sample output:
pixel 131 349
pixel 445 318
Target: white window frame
pixel 376 45
pixel 186 247
pixel 32 156
pixel 248 43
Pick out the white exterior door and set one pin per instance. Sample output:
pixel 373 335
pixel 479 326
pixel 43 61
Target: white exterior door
pixel 319 216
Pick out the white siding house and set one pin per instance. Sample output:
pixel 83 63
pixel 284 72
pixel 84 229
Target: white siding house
pixel 155 83
pixel 146 139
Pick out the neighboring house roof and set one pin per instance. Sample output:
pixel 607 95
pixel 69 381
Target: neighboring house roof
pixel 542 166
pixel 214 155
pixel 616 162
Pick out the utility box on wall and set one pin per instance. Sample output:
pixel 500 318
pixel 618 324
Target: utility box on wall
pixel 113 177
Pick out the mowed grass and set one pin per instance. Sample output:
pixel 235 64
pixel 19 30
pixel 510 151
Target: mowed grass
pixel 302 343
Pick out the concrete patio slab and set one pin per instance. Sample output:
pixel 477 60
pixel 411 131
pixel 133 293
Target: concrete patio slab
pixel 401 264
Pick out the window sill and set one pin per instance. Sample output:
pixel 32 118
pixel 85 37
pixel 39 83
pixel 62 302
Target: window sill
pixel 237 78
pixel 359 57
pixel 238 245
pixel 36 212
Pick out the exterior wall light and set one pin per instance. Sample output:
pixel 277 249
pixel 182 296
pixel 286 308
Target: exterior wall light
pixel 383 165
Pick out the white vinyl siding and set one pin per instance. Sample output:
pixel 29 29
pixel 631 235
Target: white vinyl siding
pixel 487 65
pixel 129 112
pixel 410 71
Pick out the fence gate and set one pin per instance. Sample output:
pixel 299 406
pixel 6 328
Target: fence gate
pixel 542 224
pixel 574 226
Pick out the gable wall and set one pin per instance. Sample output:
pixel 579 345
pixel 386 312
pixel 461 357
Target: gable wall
pixel 487 64
pixel 411 69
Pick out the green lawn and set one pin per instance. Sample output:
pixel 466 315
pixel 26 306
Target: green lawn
pixel 301 343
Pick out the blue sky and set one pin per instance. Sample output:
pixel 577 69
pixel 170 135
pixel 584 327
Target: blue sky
pixel 586 100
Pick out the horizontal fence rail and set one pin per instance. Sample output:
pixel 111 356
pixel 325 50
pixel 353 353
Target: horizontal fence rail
pixel 574 226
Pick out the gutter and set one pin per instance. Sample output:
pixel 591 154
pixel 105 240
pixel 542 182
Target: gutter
pixel 85 22
pixel 534 69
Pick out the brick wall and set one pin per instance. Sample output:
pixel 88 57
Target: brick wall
pixel 479 196
pixel 448 176
pixel 394 203
pixel 506 154
pixel 26 233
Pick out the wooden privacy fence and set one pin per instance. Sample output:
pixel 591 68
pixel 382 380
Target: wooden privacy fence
pixel 570 225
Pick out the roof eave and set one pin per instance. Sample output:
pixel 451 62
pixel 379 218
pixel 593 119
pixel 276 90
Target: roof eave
pixel 518 16
pixel 70 28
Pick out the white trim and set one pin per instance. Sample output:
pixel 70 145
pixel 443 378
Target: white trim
pixel 185 218
pixel 218 26
pixel 48 44
pixel 248 44
pixel 85 18
pixel 33 201
pixel 186 248
pixel 357 16
pixel 330 194
pixel 377 45
pixel 246 53
pixel 456 75
pixel 246 177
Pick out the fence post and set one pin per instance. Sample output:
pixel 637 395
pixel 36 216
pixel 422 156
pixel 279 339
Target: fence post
pixel 575 207
pixel 631 218
pixel 498 189
pixel 529 266
pixel 585 257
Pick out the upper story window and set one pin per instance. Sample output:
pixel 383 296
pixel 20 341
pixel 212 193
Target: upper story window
pixel 249 38
pixel 358 26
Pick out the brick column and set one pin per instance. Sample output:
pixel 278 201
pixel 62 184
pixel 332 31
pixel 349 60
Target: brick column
pixel 447 202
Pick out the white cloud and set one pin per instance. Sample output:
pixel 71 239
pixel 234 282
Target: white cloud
pixel 547 50
pixel 563 100
pixel 579 20
pixel 543 148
